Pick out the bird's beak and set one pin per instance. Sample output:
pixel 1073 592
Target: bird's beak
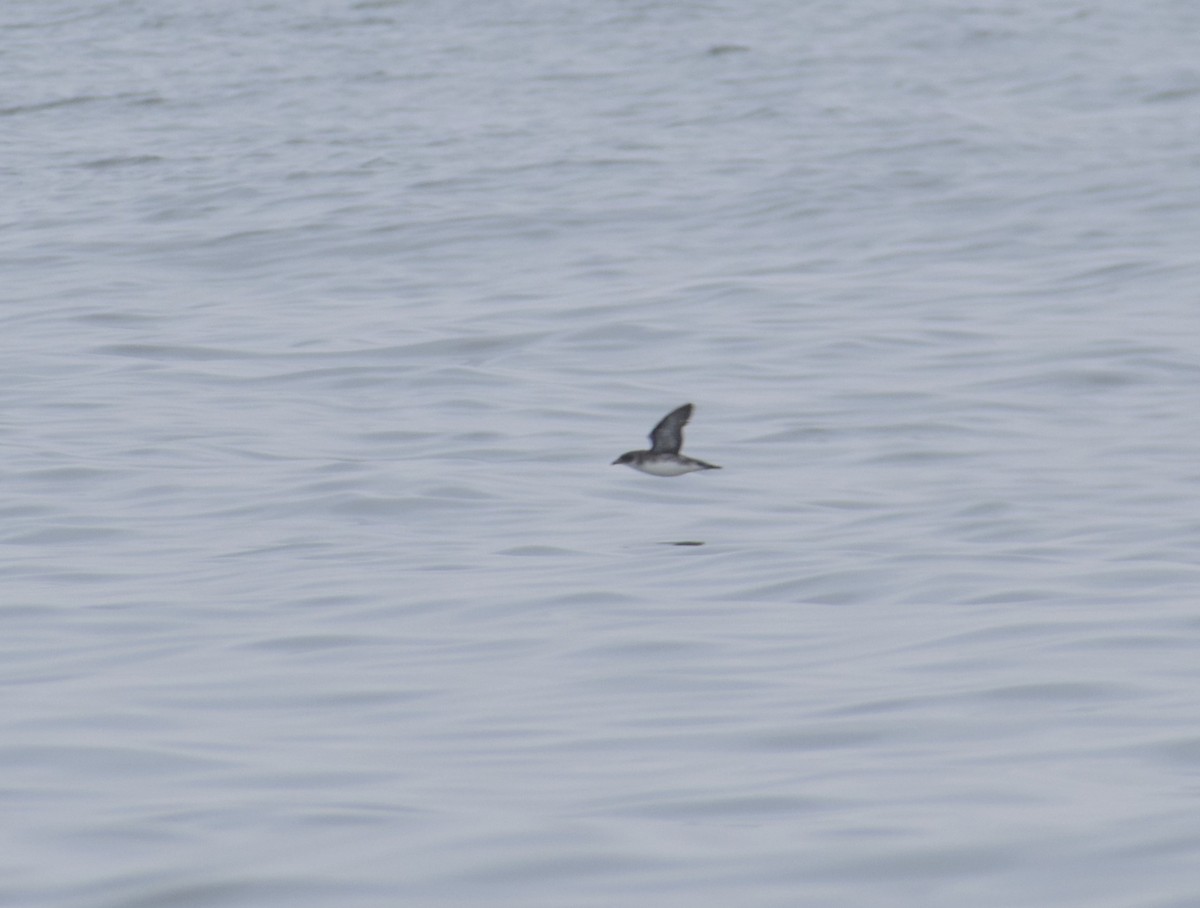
pixel 615 462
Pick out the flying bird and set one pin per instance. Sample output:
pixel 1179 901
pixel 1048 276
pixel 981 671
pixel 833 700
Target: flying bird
pixel 663 458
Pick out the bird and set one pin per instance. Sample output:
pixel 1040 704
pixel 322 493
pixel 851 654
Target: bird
pixel 663 458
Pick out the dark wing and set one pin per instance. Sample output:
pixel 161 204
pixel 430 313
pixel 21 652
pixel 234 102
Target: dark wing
pixel 667 436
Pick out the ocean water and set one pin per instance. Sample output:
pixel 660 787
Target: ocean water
pixel 322 322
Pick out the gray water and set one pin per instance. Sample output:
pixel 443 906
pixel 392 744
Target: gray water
pixel 322 321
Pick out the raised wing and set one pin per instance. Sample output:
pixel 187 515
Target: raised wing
pixel 667 436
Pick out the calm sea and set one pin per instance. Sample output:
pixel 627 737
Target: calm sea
pixel 321 322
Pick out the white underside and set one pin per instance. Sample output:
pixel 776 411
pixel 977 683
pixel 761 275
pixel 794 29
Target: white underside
pixel 666 469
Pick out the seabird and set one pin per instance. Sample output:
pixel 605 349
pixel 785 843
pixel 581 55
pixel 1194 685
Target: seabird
pixel 663 458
